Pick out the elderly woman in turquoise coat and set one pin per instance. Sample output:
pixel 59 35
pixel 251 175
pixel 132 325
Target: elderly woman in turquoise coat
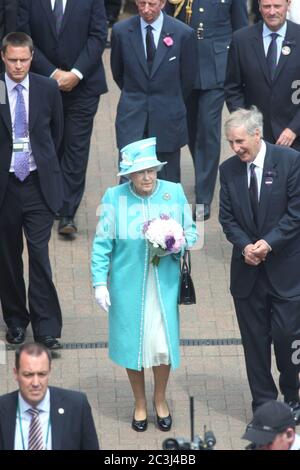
pixel 141 297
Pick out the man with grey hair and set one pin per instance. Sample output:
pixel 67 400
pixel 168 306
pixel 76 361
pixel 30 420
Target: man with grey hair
pixel 260 215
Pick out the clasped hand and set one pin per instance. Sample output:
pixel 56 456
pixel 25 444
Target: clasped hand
pixel 256 253
pixel 102 297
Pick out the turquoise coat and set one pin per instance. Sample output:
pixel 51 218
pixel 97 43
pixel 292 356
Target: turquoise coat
pixel 120 259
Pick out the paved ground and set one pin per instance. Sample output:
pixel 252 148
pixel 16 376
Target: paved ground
pixel 214 375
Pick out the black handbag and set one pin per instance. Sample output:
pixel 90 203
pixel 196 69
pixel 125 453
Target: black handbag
pixel 187 294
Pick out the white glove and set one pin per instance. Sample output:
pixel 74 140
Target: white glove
pixel 102 297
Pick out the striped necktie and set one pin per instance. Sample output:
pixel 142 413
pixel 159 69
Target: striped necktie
pixel 35 436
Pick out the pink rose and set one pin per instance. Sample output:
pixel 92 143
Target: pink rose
pixel 168 41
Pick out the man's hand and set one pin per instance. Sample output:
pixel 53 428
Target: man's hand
pixel 286 137
pixel 261 249
pixel 250 257
pixel 66 80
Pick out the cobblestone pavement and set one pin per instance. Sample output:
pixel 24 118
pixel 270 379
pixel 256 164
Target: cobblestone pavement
pixel 213 374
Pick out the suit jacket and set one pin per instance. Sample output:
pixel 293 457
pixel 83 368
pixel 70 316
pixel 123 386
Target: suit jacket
pixel 154 99
pixel 79 45
pixel 45 131
pixel 278 220
pixel 8 16
pixel 219 19
pixel 72 430
pixel 248 83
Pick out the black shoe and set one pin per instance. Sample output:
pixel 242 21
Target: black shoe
pixel 49 341
pixel 164 424
pixel 295 408
pixel 15 335
pixel 66 226
pixel 201 212
pixel 139 425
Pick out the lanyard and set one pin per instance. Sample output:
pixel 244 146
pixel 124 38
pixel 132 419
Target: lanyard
pixel 21 429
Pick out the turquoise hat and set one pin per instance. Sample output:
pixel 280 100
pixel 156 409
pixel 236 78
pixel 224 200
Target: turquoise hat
pixel 139 156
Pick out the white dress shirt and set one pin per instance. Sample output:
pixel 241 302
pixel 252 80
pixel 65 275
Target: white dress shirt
pixel 259 168
pixel 64 4
pixel 12 99
pixel 156 25
pixel 267 38
pixel 23 423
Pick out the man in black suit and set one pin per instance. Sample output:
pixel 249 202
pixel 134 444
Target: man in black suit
pixel 154 63
pixel 260 215
pixel 69 37
pixel 38 417
pixel 31 127
pixel 263 64
pixel 8 19
pixel 214 23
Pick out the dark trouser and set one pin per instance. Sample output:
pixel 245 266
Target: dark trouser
pixel 204 114
pixel 24 208
pixel 171 171
pixel 79 115
pixel 264 317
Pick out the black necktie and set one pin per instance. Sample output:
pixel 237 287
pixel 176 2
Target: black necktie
pixel 150 46
pixel 58 12
pixel 253 192
pixel 272 55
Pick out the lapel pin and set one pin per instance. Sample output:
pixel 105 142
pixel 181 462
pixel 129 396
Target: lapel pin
pixel 268 180
pixel 286 50
pixel 166 196
pixel 61 411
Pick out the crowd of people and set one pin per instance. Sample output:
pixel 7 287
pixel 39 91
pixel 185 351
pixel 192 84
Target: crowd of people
pixel 176 63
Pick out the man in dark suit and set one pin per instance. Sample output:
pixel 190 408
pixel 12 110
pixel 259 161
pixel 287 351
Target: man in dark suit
pixel 69 37
pixel 214 23
pixel 154 63
pixel 8 19
pixel 38 417
pixel 263 64
pixel 260 215
pixel 31 126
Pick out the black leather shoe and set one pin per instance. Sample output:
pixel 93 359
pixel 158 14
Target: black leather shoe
pixel 15 335
pixel 139 425
pixel 164 424
pixel 201 212
pixel 66 226
pixel 49 341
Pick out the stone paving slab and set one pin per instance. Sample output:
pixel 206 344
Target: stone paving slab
pixel 214 375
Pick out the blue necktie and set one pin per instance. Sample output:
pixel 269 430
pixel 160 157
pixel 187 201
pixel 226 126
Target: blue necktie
pixel 58 12
pixel 150 46
pixel 272 55
pixel 21 163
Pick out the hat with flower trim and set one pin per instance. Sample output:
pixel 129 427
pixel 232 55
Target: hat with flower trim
pixel 139 156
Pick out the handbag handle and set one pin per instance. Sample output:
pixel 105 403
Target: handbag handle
pixel 186 261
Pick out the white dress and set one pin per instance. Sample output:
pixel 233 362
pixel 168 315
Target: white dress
pixel 155 347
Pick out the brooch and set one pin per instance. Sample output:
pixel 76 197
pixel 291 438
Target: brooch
pixel 286 50
pixel 167 196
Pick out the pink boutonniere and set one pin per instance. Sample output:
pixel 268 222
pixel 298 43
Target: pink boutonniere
pixel 168 41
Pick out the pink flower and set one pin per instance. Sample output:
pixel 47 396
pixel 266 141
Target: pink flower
pixel 168 41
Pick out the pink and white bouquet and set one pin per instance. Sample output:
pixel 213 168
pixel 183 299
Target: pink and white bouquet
pixel 164 235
